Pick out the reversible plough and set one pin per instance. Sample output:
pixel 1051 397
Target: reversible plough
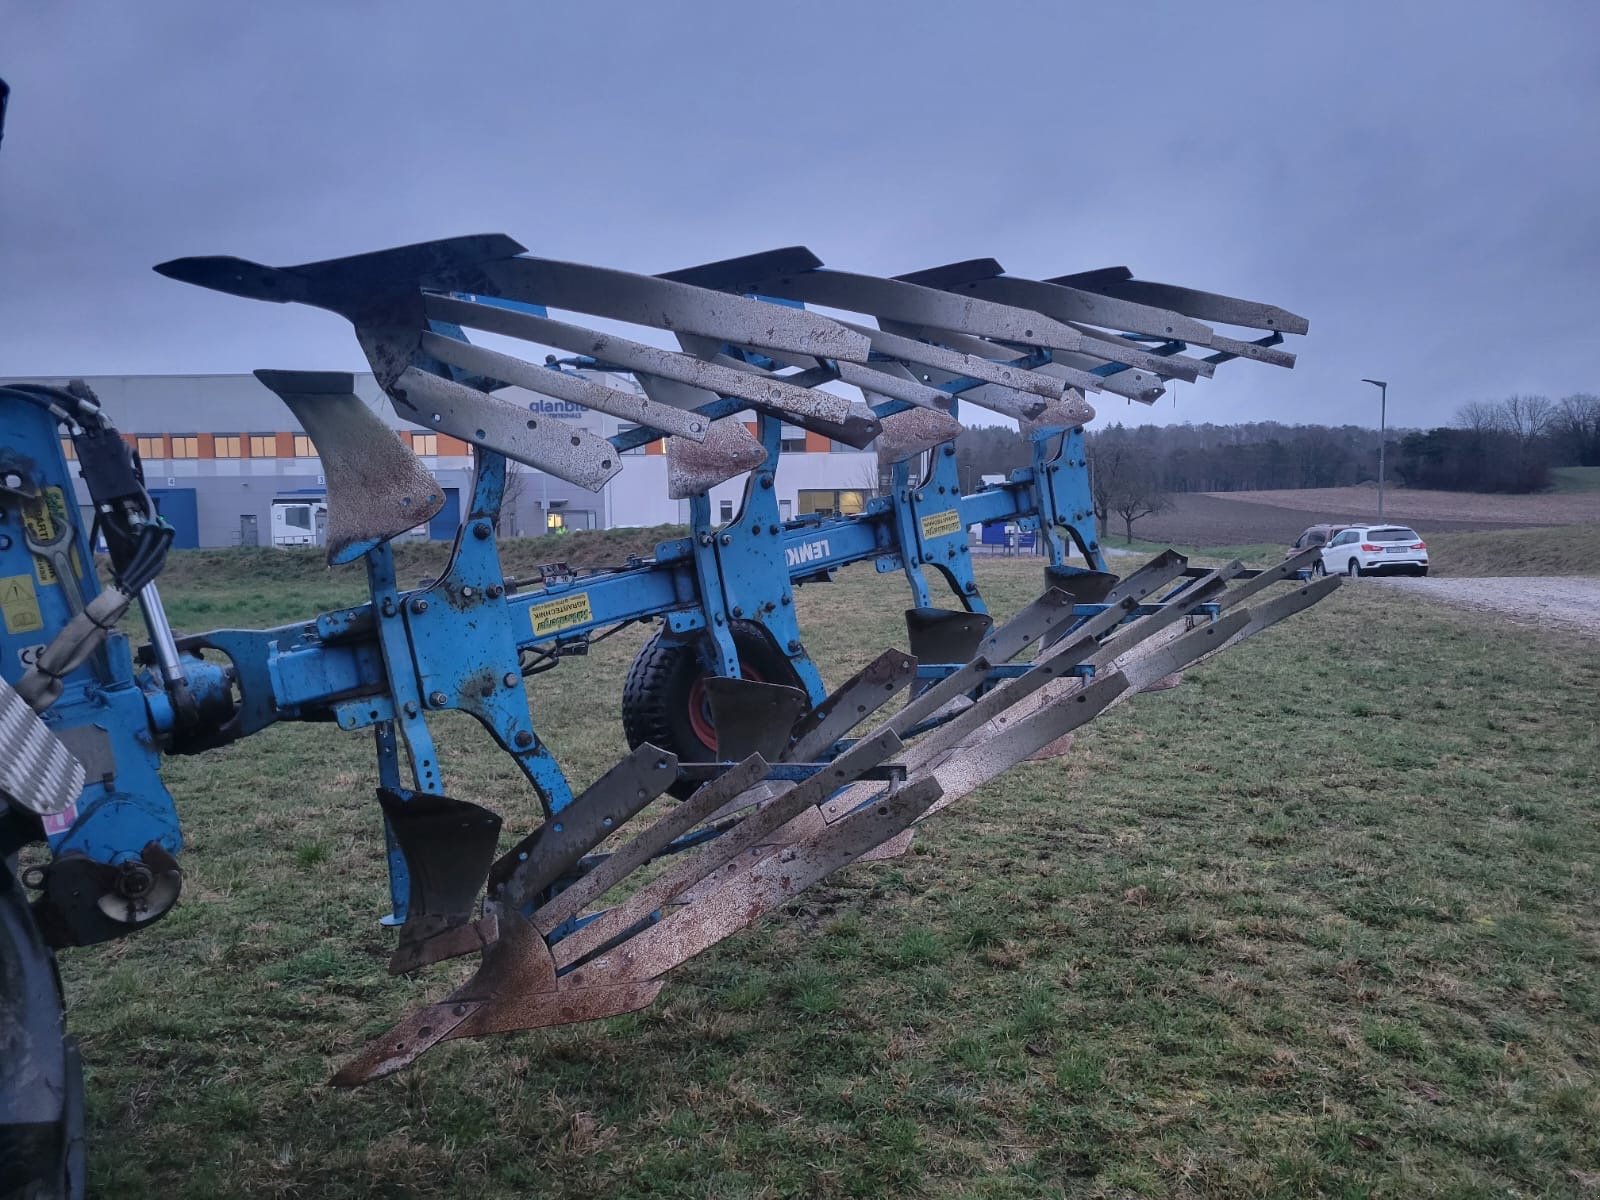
pixel 776 780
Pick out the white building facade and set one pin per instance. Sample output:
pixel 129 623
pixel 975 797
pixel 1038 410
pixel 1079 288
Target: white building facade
pixel 227 463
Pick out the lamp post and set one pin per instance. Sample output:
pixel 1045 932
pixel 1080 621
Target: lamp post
pixel 1383 422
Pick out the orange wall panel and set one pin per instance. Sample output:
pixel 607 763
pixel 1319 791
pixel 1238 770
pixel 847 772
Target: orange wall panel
pixel 285 445
pixel 452 445
pixel 816 443
pixel 208 445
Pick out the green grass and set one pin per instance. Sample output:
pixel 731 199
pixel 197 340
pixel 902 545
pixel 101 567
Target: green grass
pixel 1557 550
pixel 1321 921
pixel 1575 479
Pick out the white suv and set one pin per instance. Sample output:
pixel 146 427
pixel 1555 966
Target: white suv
pixel 1372 550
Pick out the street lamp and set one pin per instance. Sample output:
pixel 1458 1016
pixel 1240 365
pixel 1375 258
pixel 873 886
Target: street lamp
pixel 1383 421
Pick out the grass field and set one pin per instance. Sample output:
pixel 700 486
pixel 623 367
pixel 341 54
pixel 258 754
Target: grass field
pixel 1321 921
pixel 1576 479
pixel 1556 550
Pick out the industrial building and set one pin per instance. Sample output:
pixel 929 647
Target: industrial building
pixel 228 465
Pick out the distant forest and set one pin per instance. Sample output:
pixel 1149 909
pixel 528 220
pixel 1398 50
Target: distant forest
pixel 1505 446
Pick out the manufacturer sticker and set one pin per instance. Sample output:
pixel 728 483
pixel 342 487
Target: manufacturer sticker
pixel 941 524
pixel 43 518
pixel 19 604
pixel 555 615
pixel 58 823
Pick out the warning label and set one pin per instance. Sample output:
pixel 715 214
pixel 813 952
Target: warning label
pixel 43 517
pixel 19 604
pixel 555 615
pixel 941 524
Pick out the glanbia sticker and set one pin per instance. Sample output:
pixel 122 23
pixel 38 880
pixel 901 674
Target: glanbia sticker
pixel 941 524
pixel 555 615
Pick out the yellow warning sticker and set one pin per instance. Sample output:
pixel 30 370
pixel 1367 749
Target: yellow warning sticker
pixel 941 524
pixel 555 615
pixel 19 604
pixel 42 518
pixel 36 518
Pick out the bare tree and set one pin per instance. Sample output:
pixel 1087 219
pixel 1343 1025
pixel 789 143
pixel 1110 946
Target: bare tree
pixel 1122 480
pixel 1577 426
pixel 516 487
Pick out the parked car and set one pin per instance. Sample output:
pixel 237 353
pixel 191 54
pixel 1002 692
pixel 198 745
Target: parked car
pixel 1374 550
pixel 1317 535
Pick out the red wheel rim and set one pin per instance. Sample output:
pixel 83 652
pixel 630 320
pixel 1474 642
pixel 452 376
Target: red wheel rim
pixel 700 707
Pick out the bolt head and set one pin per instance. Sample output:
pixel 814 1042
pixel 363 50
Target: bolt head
pixel 480 530
pixel 510 679
pixel 524 739
pixel 419 606
pixel 438 699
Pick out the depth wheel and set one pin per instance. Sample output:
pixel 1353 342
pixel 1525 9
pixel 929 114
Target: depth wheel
pixel 664 700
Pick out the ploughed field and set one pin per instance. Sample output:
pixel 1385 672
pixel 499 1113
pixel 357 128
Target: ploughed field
pixel 1249 518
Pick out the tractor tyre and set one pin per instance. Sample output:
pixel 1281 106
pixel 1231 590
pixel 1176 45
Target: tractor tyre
pixel 41 1075
pixel 664 700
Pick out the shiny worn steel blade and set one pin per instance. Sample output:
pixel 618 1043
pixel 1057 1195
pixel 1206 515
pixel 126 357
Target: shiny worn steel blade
pixel 377 488
pixel 1264 615
pixel 729 450
pixel 1011 743
pixel 711 379
pixel 515 987
pixel 851 703
pixel 1066 303
pixel 566 386
pixel 553 446
pixel 679 820
pixel 1206 306
pixel 775 880
pixel 37 772
pixel 667 304
pixel 910 303
pixel 448 845
pixel 755 830
pixel 1287 569
pixel 908 434
pixel 545 855
pixel 1072 411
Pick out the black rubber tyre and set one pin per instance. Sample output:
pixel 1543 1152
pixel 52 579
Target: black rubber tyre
pixel 1317 569
pixel 1422 570
pixel 1353 569
pixel 659 691
pixel 41 1076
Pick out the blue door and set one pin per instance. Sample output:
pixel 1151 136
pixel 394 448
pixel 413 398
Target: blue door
pixel 443 526
pixel 177 505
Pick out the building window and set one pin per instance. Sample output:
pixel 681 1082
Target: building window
pixel 425 443
pixel 727 511
pixel 641 448
pixel 794 440
pixel 185 445
pixel 68 449
pixel 226 445
pixel 152 446
pixel 846 502
pixel 263 445
pixel 303 447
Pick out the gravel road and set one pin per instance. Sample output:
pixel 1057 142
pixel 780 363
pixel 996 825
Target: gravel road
pixel 1568 601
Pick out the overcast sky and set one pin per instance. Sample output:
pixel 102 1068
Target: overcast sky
pixel 1420 180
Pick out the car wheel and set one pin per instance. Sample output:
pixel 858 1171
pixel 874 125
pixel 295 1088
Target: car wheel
pixel 1318 569
pixel 1422 570
pixel 1353 569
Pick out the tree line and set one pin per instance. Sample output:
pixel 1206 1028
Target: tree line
pixel 1509 445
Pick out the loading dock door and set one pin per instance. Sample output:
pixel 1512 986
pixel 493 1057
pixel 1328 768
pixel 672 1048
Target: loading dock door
pixel 178 506
pixel 443 526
